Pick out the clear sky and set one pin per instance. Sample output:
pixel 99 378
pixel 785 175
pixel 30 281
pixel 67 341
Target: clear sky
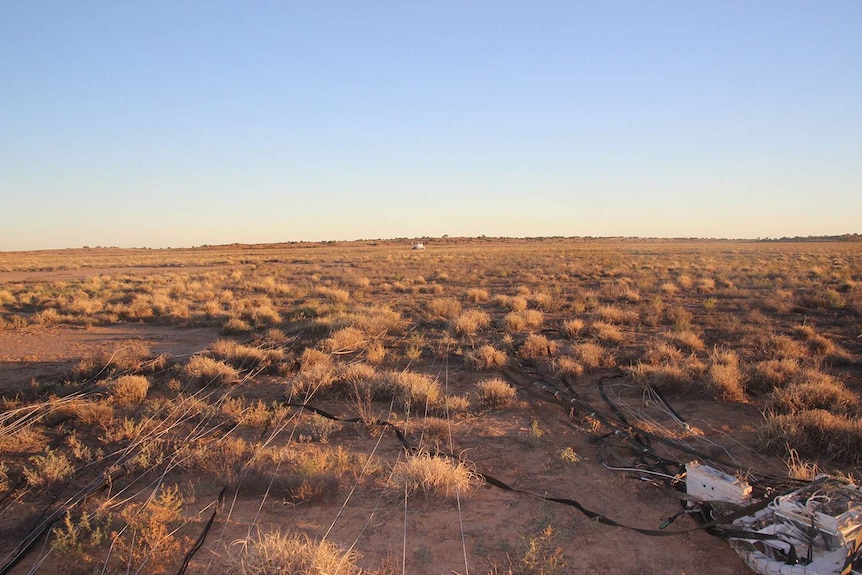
pixel 183 123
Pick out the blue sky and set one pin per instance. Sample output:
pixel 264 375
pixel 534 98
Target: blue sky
pixel 186 123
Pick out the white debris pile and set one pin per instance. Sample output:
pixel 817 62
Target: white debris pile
pixel 815 530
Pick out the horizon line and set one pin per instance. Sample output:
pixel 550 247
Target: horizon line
pixel 850 236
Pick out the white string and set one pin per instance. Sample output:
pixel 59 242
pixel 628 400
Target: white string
pixel 452 450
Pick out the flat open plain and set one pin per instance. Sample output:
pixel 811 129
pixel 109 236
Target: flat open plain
pixel 147 392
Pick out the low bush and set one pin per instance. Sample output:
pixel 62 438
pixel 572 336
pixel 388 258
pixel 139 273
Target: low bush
pixel 47 469
pixel 151 534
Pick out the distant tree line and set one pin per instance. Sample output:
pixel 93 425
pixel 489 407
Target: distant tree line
pixel 841 238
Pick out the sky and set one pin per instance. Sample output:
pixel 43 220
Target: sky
pixel 173 124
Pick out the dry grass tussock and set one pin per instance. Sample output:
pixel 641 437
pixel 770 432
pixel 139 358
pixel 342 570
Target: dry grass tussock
pixel 821 392
pixel 258 310
pixel 814 433
pixel 131 358
pixel 688 340
pixel 373 321
pixel 512 303
pixel 615 314
pixel 523 320
pixel 606 332
pixel 345 340
pixel 487 357
pixel 245 357
pixel 446 308
pixel 416 391
pixel 316 374
pixel 537 346
pixel 334 295
pixel 470 321
pixel 569 367
pixel 432 477
pixel 247 412
pixel 289 553
pixel 593 355
pixel 495 393
pixel 477 295
pixel 205 370
pixel 725 377
pixel 772 374
pixel 820 346
pixel 677 376
pixel 572 328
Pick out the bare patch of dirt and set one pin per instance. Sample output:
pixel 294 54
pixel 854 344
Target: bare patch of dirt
pixel 47 352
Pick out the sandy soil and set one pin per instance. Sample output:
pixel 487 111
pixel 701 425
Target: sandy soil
pixel 38 352
pixel 487 528
pixel 433 537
